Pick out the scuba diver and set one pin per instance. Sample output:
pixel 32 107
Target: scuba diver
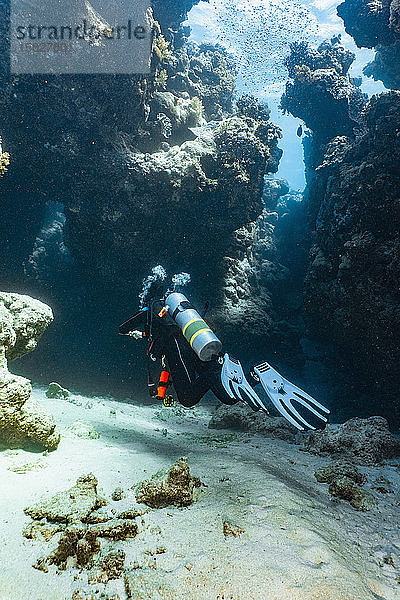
pixel 193 362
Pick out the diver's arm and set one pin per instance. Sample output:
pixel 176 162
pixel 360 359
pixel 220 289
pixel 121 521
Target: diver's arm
pixel 136 334
pixel 136 323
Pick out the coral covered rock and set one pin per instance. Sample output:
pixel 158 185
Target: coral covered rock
pixel 4 160
pixel 116 529
pixel 344 482
pixel 346 489
pixel 41 530
pixel 375 24
pixel 56 391
pixel 75 543
pixel 178 164
pixel 72 505
pixel 177 489
pixel 84 429
pixel 320 91
pixel 205 73
pixel 253 277
pixel 338 470
pixel 241 418
pixel 23 422
pixel 76 513
pixel 111 567
pixel 172 14
pixel 368 22
pixel 364 441
pixel 351 295
pixel 24 320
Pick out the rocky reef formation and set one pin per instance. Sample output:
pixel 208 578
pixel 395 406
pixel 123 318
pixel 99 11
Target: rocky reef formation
pixel 319 85
pixel 22 421
pixel 321 93
pixel 353 158
pixel 171 16
pixel 376 24
pixel 345 482
pixel 174 175
pixel 189 198
pixel 55 390
pixel 76 513
pixel 252 294
pixel 241 418
pixel 176 490
pixel 351 285
pixel 4 160
pixel 362 441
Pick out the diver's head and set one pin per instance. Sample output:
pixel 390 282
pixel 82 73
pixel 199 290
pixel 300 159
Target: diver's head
pixel 153 286
pixel 155 291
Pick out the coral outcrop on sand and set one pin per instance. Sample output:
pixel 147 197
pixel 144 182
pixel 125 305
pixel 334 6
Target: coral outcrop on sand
pixel 55 390
pixel 241 418
pixel 376 24
pixel 363 441
pixel 176 490
pixel 72 505
pixel 84 429
pixel 338 470
pixel 75 513
pixel 345 489
pixel 22 421
pixel 344 482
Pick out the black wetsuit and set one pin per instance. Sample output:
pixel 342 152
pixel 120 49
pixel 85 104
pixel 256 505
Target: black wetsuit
pixel 191 377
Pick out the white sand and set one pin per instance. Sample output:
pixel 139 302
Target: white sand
pixel 297 543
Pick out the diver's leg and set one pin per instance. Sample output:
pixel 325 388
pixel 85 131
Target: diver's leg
pixel 211 372
pixel 188 387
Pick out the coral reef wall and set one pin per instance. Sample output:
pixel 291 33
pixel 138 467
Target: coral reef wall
pixel 149 169
pixel 376 24
pixel 351 289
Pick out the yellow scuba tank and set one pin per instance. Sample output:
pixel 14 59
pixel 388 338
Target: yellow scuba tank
pixel 196 331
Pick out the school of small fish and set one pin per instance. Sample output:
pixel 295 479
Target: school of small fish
pixel 258 33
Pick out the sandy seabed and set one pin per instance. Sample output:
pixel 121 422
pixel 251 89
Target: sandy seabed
pixel 297 543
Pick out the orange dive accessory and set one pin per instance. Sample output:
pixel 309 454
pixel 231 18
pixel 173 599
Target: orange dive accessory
pixel 163 384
